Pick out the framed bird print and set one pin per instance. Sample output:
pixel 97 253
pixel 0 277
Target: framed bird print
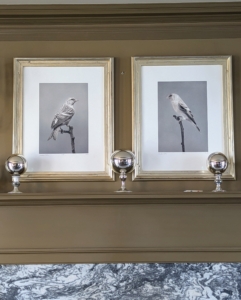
pixel 63 118
pixel 182 112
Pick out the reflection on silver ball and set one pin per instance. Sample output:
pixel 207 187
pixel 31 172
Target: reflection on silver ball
pixel 217 163
pixel 16 164
pixel 122 160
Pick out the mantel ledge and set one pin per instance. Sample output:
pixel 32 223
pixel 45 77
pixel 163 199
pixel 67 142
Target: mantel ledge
pixel 141 198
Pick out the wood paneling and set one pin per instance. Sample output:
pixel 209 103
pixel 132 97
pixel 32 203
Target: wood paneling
pixel 62 222
pixel 113 228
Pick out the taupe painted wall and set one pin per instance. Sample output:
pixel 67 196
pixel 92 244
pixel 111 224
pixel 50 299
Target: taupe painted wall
pixel 100 230
pixel 122 51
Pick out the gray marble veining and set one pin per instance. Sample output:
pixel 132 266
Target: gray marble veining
pixel 182 281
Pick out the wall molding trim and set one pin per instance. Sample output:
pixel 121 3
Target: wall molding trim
pixel 124 255
pixel 95 228
pixel 112 199
pixel 120 21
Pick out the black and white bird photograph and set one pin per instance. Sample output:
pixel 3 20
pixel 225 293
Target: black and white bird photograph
pixel 182 116
pixel 63 118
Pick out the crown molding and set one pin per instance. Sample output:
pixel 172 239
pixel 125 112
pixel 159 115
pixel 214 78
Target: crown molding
pixel 120 21
pixel 122 9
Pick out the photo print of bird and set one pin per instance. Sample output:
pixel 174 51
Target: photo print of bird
pixel 182 110
pixel 182 116
pixel 62 118
pixel 183 113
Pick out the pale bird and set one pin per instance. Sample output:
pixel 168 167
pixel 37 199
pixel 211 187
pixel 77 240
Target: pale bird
pixel 181 109
pixel 63 117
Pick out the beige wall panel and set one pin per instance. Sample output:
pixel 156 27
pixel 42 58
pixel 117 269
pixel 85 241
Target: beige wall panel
pixel 121 231
pixel 122 51
pixel 117 232
pixel 173 227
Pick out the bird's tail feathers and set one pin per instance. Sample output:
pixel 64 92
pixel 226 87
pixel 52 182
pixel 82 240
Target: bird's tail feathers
pixel 198 128
pixel 54 134
pixel 193 123
pixel 50 137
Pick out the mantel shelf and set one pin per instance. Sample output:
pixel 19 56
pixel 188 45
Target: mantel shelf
pixel 144 198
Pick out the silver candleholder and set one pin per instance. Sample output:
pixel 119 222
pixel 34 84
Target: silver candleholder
pixel 217 164
pixel 123 162
pixel 16 165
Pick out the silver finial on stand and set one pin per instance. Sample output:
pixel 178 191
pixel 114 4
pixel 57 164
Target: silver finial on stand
pixel 217 164
pixel 16 165
pixel 123 162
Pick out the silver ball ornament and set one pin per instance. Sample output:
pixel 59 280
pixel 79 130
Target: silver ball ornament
pixel 123 162
pixel 16 165
pixel 217 163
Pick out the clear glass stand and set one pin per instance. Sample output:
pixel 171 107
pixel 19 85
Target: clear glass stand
pixel 16 184
pixel 123 177
pixel 218 181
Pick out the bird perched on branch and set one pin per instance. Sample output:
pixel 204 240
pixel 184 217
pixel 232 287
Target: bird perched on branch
pixel 181 108
pixel 63 117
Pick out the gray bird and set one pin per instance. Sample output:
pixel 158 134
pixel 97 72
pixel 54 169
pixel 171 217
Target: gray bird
pixel 63 117
pixel 181 108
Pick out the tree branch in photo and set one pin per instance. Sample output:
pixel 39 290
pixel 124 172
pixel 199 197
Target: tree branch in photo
pixel 182 131
pixel 72 138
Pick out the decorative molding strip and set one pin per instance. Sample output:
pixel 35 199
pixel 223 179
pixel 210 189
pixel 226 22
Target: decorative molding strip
pixel 20 256
pixel 118 22
pixel 53 199
pixel 118 250
pixel 90 10
pixel 164 257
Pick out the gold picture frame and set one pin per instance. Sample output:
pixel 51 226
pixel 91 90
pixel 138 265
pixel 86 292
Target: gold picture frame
pixel 205 83
pixel 42 85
